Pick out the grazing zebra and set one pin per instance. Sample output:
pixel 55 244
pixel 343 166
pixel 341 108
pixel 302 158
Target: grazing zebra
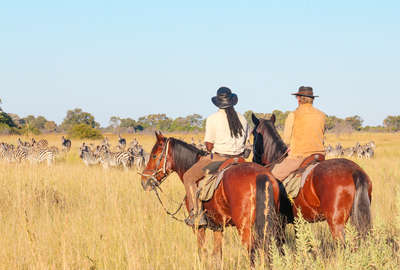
pixel 140 156
pixel 349 152
pixel 88 156
pixel 43 143
pixel 39 155
pixel 121 143
pixel 115 159
pixel 66 144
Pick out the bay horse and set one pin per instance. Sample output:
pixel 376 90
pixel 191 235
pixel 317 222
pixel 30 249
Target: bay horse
pixel 335 190
pixel 247 196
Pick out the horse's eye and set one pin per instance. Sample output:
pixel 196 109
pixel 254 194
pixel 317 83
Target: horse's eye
pixel 154 156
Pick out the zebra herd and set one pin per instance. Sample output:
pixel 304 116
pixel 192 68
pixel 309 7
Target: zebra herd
pixel 366 151
pixel 32 151
pixel 133 156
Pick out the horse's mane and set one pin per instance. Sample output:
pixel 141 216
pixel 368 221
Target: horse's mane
pixel 184 154
pixel 274 147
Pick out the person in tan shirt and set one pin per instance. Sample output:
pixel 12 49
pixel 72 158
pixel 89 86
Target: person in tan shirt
pixel 303 133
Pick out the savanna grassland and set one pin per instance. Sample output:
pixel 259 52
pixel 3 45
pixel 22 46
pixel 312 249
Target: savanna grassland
pixel 69 216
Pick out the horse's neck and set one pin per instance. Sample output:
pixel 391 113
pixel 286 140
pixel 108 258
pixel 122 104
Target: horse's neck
pixel 181 171
pixel 274 152
pixel 183 159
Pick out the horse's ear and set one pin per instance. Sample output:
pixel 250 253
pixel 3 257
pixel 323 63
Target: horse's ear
pixel 273 119
pixel 159 136
pixel 255 120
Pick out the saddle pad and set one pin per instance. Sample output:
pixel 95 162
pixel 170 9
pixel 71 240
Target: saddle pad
pixel 294 182
pixel 208 185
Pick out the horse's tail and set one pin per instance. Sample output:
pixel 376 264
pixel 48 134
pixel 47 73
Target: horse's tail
pixel 266 217
pixel 361 211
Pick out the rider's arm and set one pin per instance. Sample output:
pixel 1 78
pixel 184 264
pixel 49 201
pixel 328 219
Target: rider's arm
pixel 287 133
pixel 209 146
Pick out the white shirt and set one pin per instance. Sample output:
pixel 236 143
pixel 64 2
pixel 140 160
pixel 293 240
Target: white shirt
pixel 218 133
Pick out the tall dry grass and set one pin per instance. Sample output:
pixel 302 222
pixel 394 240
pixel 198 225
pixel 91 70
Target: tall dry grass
pixel 70 216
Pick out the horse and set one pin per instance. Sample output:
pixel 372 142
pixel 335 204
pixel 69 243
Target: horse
pixel 247 195
pixel 335 190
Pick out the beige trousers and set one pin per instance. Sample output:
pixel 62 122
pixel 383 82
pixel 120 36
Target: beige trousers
pixel 194 174
pixel 288 165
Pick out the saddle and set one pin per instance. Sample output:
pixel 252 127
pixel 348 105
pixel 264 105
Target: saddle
pixel 296 180
pixel 213 176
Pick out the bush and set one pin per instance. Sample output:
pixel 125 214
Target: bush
pixel 6 129
pixel 83 131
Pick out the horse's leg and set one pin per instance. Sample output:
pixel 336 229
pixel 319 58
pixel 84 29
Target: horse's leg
pixel 217 252
pixel 201 239
pixel 337 226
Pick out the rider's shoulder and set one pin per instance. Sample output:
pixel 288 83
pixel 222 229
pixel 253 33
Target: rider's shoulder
pixel 216 115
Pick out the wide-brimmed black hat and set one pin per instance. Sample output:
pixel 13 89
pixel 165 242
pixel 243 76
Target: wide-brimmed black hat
pixel 305 91
pixel 224 98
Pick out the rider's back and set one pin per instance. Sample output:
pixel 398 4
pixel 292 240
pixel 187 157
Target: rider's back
pixel 308 131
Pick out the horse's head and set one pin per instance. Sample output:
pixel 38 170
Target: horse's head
pixel 268 144
pixel 159 165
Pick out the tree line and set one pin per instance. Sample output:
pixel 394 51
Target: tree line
pixel 83 124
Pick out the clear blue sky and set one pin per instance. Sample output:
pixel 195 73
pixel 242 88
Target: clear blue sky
pixel 133 58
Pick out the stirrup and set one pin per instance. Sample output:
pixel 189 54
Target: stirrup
pixel 198 219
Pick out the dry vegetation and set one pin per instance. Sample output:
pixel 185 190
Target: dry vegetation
pixel 69 216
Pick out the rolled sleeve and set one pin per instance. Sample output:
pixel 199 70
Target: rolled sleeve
pixel 210 133
pixel 287 133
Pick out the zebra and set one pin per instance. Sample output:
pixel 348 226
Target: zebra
pixel 121 143
pixel 116 159
pixel 140 156
pixel 88 156
pixel 43 143
pixel 66 144
pixel 39 155
pixel 349 152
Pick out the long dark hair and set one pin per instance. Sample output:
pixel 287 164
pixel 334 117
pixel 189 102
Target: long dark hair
pixel 235 125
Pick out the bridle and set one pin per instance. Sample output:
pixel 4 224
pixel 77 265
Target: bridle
pixel 151 175
pixel 154 183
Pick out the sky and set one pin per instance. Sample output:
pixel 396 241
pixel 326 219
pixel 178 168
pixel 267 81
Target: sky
pixel 133 58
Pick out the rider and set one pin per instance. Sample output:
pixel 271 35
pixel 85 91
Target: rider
pixel 226 135
pixel 303 133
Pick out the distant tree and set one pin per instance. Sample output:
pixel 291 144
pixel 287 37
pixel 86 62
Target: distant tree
pixel 128 123
pixel 331 122
pixel 392 123
pixel 6 119
pixel 50 126
pixel 77 116
pixel 355 122
pixel 35 122
pixel 115 121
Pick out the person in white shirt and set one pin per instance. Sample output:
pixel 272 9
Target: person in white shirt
pixel 226 134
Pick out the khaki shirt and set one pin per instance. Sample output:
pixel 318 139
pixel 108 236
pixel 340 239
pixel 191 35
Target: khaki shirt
pixel 218 133
pixel 304 131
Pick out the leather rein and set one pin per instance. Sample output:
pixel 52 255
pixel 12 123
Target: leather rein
pixel 155 184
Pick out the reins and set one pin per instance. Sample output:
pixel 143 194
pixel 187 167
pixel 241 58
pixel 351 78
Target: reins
pixel 155 184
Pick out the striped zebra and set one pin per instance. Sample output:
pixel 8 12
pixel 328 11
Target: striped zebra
pixel 121 143
pixel 10 153
pixel 66 144
pixel 43 143
pixel 115 159
pixel 88 156
pixel 140 156
pixel 39 155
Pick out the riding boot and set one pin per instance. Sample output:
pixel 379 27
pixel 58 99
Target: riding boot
pixel 196 216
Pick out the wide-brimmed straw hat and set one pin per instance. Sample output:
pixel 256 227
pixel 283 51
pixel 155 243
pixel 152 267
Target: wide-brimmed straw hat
pixel 305 91
pixel 224 98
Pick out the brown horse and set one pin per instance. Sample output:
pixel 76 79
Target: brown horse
pixel 247 195
pixel 335 190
